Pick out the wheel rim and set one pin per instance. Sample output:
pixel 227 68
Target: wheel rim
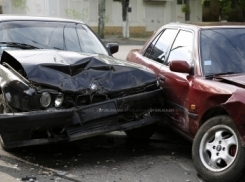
pixel 218 148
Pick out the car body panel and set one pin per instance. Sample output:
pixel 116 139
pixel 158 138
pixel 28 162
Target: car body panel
pixel 192 97
pixel 4 18
pixel 51 92
pixel 75 72
pixel 19 129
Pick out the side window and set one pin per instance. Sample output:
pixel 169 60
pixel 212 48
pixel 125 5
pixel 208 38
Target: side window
pixel 71 39
pixel 89 42
pixel 159 51
pixel 182 47
pixel 151 46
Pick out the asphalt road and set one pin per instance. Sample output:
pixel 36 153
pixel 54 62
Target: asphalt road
pixel 110 157
pixel 106 158
pixel 124 49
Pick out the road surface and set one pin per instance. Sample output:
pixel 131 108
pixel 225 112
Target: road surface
pixel 106 158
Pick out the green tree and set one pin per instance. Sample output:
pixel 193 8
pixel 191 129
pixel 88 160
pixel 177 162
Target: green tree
pixel 242 6
pixel 224 8
pixel 186 10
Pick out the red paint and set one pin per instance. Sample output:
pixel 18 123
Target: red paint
pixel 210 96
pixel 180 66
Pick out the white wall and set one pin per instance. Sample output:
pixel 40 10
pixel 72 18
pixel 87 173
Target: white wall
pixel 137 16
pixel 152 15
pixel 35 7
pixel 197 10
pixel 168 12
pixel 155 15
pixel 180 16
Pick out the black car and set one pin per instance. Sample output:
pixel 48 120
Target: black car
pixel 60 83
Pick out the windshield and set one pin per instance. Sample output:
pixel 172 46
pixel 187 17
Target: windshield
pixel 223 51
pixel 50 35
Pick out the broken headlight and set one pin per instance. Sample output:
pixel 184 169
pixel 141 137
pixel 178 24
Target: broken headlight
pixel 59 100
pixel 45 99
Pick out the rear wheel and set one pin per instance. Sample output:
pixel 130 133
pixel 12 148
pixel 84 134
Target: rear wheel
pixel 217 152
pixel 142 133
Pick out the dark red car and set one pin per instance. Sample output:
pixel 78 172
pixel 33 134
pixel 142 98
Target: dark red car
pixel 201 68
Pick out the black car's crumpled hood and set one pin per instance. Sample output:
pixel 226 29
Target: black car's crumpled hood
pixel 76 72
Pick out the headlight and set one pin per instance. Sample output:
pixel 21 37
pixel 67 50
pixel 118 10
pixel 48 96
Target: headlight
pixel 59 100
pixel 45 99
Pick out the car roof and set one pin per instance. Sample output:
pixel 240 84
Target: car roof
pixel 208 25
pixel 34 18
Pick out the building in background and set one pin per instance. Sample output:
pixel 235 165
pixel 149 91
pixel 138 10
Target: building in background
pixel 145 17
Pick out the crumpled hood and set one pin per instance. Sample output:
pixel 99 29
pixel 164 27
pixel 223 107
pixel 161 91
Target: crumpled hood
pixel 76 72
pixel 235 79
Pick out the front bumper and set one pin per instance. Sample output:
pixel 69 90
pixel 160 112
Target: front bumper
pixel 79 122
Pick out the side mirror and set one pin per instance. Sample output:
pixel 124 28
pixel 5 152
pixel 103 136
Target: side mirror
pixel 112 47
pixel 180 66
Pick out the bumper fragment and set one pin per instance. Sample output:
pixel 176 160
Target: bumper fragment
pixel 79 122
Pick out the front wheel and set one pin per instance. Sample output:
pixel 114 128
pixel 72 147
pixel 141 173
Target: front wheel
pixel 217 152
pixel 3 110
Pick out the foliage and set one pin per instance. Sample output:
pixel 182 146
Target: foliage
pixel 186 9
pixel 21 4
pixel 224 6
pixel 241 4
pixel 79 15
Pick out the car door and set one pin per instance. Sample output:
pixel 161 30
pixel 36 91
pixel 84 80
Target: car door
pixel 176 85
pixel 156 52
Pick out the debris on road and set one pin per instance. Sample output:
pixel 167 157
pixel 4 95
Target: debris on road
pixel 15 166
pixel 110 161
pixel 62 173
pixel 42 172
pixel 29 178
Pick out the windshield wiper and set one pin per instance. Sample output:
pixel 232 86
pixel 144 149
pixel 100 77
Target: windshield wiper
pixel 218 74
pixel 20 45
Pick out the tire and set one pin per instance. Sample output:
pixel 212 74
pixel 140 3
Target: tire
pixel 5 109
pixel 14 149
pixel 2 110
pixel 217 153
pixel 1 105
pixel 142 133
pixel 3 146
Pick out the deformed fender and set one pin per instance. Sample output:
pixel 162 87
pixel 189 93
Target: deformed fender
pixel 17 93
pixel 235 106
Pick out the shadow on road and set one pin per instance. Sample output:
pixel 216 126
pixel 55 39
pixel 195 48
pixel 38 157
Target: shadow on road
pixel 112 157
pixel 112 146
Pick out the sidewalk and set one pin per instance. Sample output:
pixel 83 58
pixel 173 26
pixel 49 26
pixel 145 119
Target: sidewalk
pixel 124 41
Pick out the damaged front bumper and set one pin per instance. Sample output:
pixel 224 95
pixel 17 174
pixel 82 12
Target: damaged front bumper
pixel 55 125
